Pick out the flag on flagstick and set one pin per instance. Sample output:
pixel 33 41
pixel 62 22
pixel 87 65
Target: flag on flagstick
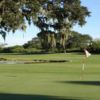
pixel 87 54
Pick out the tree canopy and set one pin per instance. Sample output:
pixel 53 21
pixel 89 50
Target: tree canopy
pixel 53 17
pixel 78 40
pixel 14 12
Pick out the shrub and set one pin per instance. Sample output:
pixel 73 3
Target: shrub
pixel 95 47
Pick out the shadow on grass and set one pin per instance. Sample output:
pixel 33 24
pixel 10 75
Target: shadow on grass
pixel 4 96
pixel 95 83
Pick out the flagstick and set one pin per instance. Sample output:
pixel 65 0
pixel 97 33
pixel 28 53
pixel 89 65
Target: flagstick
pixel 87 54
pixel 83 67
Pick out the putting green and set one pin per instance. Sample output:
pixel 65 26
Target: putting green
pixel 51 81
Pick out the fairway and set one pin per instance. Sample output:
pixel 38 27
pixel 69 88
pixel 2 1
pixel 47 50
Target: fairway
pixel 51 81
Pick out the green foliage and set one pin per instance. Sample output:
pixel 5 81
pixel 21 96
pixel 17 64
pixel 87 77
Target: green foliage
pixel 34 43
pixel 21 50
pixel 47 39
pixel 95 47
pixel 14 12
pixel 78 40
pixel 1 49
pixel 17 49
pixel 11 17
pixel 58 15
pixel 14 49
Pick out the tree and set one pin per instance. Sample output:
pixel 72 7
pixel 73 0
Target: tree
pixel 78 40
pixel 34 43
pixel 13 14
pixel 59 16
pixel 2 45
pixel 56 15
pixel 48 40
pixel 95 46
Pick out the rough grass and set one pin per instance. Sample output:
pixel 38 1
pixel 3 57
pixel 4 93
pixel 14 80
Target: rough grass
pixel 51 81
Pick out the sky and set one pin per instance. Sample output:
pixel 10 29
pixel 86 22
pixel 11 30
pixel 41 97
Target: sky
pixel 92 27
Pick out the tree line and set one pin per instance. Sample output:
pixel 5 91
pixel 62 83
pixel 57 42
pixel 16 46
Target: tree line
pixel 76 42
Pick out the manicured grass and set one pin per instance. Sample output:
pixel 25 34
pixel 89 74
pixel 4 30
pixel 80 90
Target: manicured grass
pixel 51 81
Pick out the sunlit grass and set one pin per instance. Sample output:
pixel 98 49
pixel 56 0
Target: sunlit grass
pixel 41 80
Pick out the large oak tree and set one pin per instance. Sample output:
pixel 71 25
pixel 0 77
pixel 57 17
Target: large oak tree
pixel 55 18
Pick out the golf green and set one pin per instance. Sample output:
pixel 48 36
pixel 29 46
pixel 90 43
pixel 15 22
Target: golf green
pixel 51 81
